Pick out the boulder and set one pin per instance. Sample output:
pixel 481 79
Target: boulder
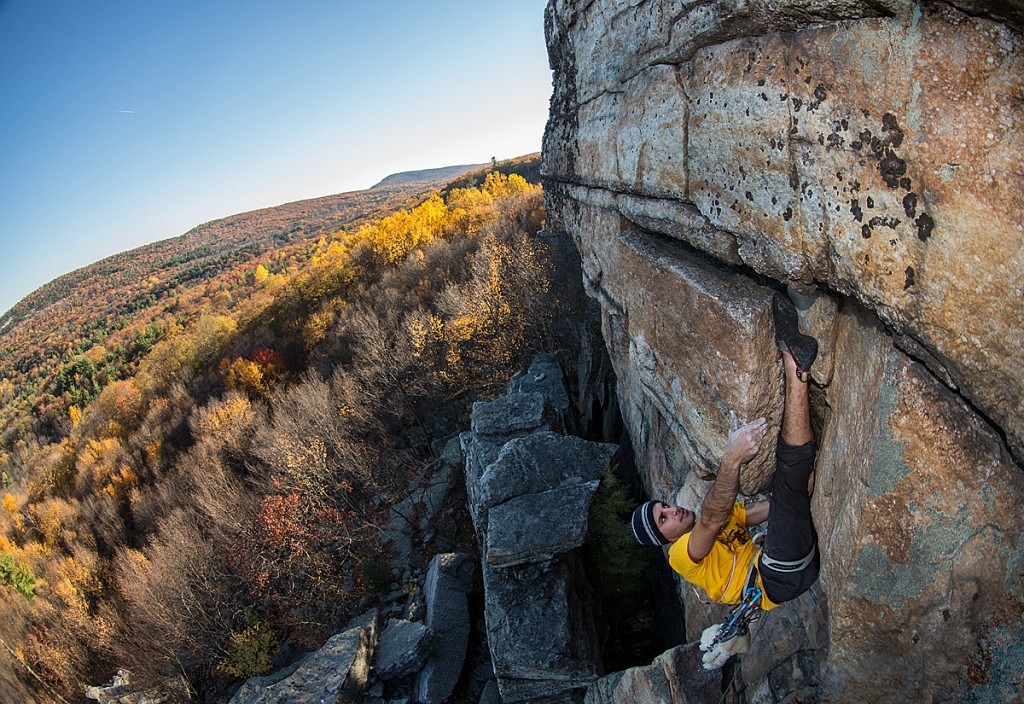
pixel 403 649
pixel 120 690
pixel 677 676
pixel 541 462
pixel 887 177
pixel 337 672
pixel 508 415
pixel 493 424
pixel 540 630
pixel 544 376
pixel 536 527
pixel 449 580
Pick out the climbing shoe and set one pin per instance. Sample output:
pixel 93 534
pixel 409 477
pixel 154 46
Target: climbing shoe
pixel 788 337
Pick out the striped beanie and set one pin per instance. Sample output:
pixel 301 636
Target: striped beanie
pixel 642 524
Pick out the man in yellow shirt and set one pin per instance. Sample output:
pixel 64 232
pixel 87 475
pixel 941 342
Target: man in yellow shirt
pixel 714 550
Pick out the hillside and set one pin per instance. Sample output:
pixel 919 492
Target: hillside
pixel 98 321
pixel 268 408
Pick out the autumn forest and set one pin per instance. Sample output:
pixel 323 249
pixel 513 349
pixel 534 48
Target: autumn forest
pixel 200 437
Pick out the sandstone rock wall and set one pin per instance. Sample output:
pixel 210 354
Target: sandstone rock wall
pixel 867 156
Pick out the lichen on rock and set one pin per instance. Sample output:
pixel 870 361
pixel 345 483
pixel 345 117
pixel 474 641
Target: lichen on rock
pixel 865 158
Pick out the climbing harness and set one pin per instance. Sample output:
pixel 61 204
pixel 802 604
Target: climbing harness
pixel 748 610
pixel 794 566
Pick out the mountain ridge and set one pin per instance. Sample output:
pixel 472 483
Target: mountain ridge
pixel 320 205
pixel 442 172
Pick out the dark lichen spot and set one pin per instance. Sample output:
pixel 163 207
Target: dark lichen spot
pixel 775 201
pixel 819 93
pixel 821 139
pixel 945 615
pixel 879 221
pixel 788 215
pixel 889 124
pixel 797 103
pixel 808 80
pixel 925 225
pixel 760 82
pixel 839 175
pixel 892 169
pixel 856 145
pixel 905 183
pixel 915 639
pixel 871 202
pixel 865 231
pixel 749 196
pixel 764 97
pixel 834 141
pixel 858 214
pixel 910 278
pixel 910 205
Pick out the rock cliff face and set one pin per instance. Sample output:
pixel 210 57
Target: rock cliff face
pixel 866 156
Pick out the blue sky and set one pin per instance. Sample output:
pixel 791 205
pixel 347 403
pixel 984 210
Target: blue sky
pixel 126 122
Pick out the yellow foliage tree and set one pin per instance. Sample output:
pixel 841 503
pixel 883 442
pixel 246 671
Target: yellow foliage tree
pixel 121 482
pixel 246 377
pixel 261 274
pixel 393 237
pixel 100 460
pixel 55 520
pixel 224 420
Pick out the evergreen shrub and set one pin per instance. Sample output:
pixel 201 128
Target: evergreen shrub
pixel 18 575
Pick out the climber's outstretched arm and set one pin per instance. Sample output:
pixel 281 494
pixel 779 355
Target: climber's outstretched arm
pixel 744 442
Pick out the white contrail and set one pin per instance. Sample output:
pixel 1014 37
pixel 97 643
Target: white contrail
pixel 125 112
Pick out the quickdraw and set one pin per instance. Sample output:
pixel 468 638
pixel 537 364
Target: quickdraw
pixel 737 622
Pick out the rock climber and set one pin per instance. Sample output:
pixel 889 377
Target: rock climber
pixel 714 550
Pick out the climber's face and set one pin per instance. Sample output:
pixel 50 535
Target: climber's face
pixel 673 521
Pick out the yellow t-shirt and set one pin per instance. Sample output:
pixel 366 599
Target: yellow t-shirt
pixel 718 574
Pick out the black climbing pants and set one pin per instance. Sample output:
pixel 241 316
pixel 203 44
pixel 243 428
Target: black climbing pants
pixel 789 562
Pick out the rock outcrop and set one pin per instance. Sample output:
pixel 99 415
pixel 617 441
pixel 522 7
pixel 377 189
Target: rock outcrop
pixel 675 676
pixel 865 157
pixel 335 673
pixel 530 491
pixel 449 581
